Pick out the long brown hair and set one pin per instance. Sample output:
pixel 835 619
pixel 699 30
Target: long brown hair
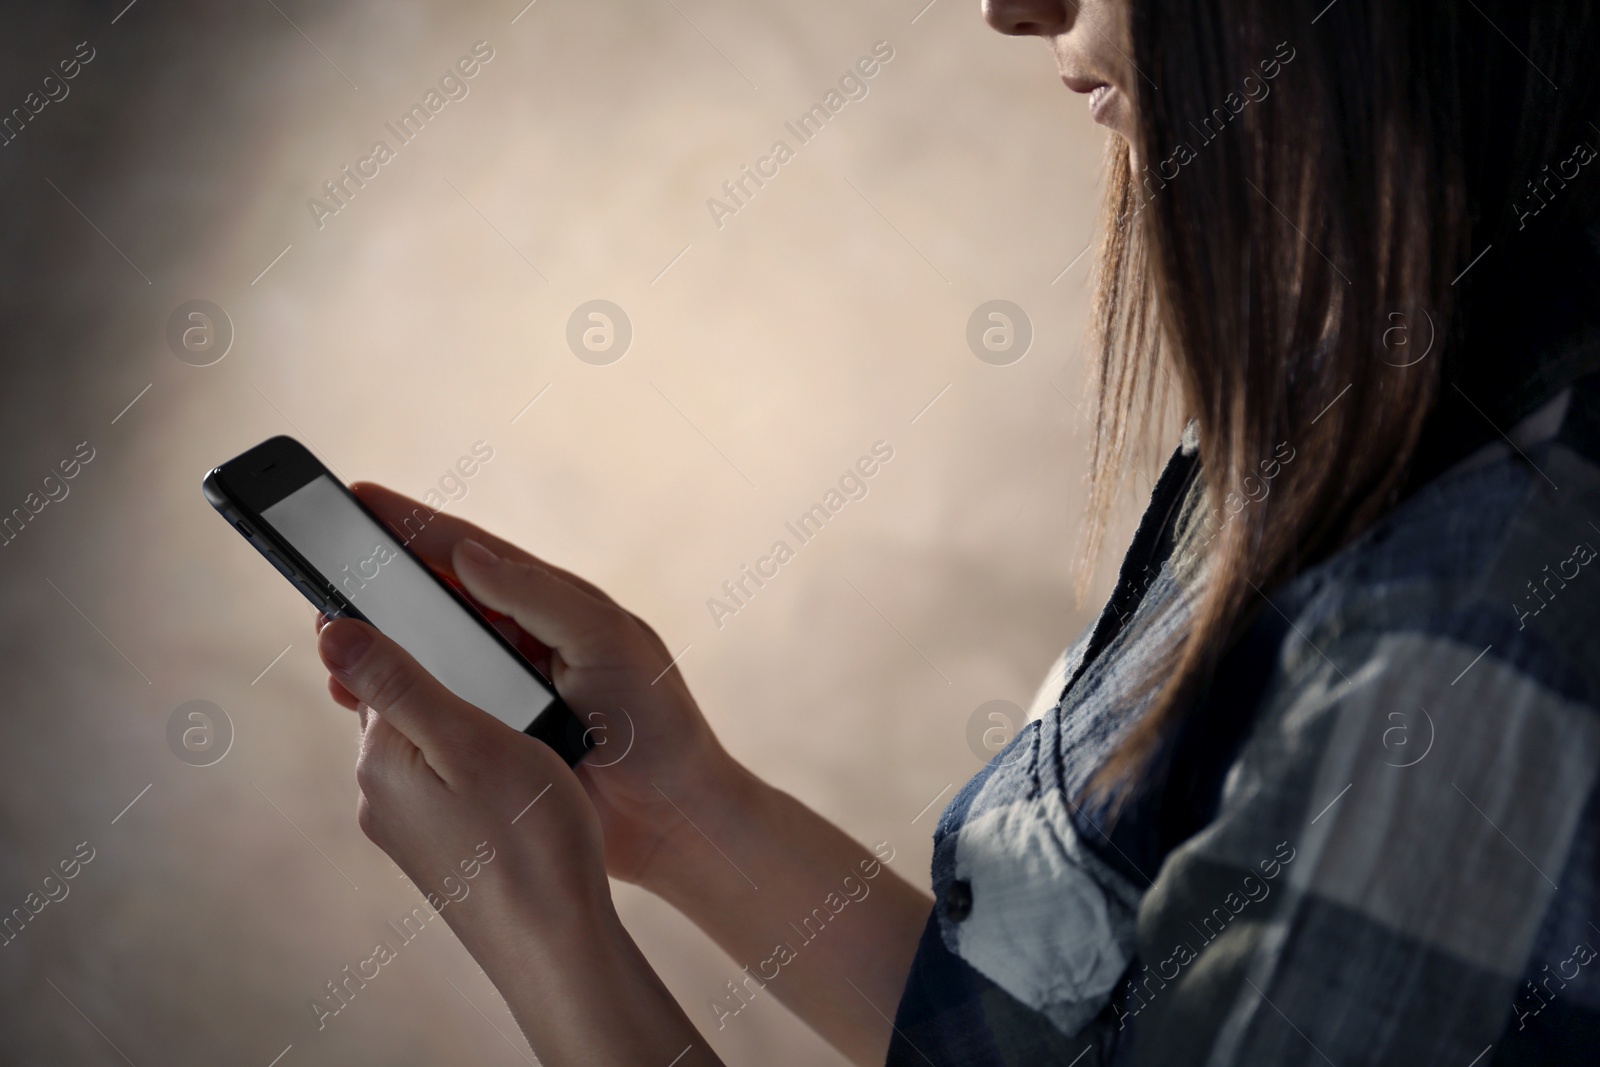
pixel 1316 177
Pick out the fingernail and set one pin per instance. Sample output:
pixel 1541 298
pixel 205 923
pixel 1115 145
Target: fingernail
pixel 345 645
pixel 477 554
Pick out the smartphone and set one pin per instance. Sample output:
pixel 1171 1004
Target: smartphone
pixel 349 564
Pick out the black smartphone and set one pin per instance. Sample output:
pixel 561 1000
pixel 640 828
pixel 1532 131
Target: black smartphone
pixel 348 563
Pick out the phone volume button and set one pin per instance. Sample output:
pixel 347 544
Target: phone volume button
pixel 317 599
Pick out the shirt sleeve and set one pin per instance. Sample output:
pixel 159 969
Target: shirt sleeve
pixel 1388 861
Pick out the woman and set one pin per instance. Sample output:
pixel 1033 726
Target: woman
pixel 1320 784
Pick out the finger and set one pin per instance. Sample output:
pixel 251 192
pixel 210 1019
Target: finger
pixel 533 650
pixel 342 696
pixel 381 674
pixel 388 761
pixel 433 535
pixel 382 747
pixel 552 610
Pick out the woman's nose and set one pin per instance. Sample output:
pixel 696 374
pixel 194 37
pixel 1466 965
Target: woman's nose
pixel 1020 17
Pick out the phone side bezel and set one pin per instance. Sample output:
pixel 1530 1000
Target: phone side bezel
pixel 244 487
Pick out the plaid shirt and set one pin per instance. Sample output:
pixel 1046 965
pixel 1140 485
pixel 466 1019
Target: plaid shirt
pixel 1379 840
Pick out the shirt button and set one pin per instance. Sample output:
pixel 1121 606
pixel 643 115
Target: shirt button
pixel 958 900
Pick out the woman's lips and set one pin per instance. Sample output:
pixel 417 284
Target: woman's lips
pixel 1099 102
pixel 1100 95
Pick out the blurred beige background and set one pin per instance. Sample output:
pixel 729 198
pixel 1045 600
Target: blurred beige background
pixel 767 356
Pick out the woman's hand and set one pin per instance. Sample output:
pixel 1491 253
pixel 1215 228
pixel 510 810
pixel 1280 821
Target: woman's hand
pixel 441 782
pixel 655 763
pixel 677 815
